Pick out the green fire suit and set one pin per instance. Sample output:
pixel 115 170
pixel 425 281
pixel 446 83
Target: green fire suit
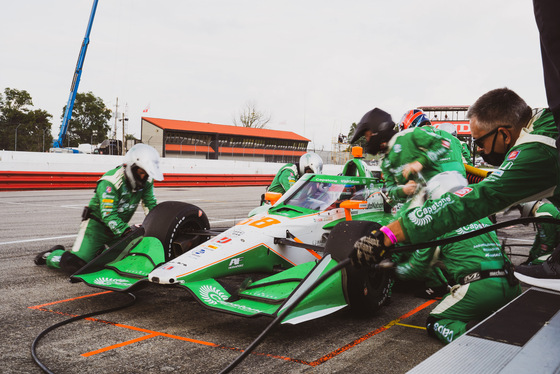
pixel 284 179
pixel 111 208
pixel 467 156
pixel 548 234
pixel 438 151
pixel 472 301
pixel 407 146
pixel 529 172
pixel 455 158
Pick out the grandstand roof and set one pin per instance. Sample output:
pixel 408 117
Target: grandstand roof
pixel 211 128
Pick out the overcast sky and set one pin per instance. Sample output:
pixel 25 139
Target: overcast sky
pixel 315 65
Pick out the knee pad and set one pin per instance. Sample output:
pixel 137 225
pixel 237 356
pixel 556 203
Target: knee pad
pixel 70 263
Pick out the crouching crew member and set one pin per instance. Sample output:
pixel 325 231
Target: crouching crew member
pixel 105 219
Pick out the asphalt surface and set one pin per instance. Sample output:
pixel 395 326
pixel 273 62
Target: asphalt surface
pixel 167 331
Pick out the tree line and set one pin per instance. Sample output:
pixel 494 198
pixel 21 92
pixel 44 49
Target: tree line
pixel 24 128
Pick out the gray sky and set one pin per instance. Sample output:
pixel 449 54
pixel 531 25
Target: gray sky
pixel 315 65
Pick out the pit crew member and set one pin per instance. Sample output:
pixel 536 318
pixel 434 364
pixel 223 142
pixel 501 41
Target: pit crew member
pixel 413 150
pixel 406 154
pixel 465 150
pixel 290 173
pixel 105 219
pixel 454 160
pixel 548 234
pixel 479 289
pixel 511 135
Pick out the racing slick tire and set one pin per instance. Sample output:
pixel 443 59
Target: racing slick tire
pixel 365 289
pixel 173 223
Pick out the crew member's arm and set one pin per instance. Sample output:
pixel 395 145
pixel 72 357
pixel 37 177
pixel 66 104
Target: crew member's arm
pixel 417 266
pixel 466 154
pixel 287 179
pixel 109 197
pixel 148 199
pixel 528 173
pixel 396 193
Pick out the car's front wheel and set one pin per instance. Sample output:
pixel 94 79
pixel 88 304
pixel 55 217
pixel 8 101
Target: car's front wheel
pixel 177 225
pixel 366 289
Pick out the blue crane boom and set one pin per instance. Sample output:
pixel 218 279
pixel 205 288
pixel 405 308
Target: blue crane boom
pixel 75 82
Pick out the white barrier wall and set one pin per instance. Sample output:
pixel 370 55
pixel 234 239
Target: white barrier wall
pixel 88 163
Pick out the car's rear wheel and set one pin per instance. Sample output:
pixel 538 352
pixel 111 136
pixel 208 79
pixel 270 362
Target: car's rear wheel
pixel 177 225
pixel 366 289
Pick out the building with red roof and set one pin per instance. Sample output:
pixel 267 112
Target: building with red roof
pixel 175 138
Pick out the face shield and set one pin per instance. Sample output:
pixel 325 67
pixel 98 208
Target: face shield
pixel 145 157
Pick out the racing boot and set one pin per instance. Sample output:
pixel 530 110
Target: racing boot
pixel 70 263
pixel 545 275
pixel 41 258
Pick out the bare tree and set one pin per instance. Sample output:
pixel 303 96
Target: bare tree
pixel 250 116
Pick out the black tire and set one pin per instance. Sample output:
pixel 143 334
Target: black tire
pixel 172 222
pixel 365 289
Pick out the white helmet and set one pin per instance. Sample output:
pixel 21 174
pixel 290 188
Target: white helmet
pixel 145 157
pixel 312 161
pixel 448 127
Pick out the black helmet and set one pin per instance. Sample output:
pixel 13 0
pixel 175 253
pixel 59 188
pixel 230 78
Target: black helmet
pixel 380 124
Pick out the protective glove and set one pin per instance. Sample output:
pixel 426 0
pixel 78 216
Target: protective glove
pixel 527 209
pixel 130 229
pixel 369 249
pixel 387 264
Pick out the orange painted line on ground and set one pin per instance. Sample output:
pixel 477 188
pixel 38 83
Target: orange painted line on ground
pixel 151 334
pixel 88 354
pixel 202 342
pixel 72 299
pixel 416 310
pixel 340 350
pixel 157 333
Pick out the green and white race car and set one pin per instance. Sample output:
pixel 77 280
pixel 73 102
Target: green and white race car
pixel 260 265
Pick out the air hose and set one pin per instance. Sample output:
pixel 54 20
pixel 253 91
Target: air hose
pixel 70 320
pixel 404 248
pixel 284 313
pixel 484 230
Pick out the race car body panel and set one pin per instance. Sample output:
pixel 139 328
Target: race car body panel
pixel 271 295
pixel 248 247
pixel 304 214
pixel 124 270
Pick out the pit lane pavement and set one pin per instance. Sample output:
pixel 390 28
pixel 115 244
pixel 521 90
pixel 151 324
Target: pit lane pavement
pixel 166 330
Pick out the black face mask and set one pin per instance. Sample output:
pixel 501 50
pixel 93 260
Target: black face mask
pixel 378 141
pixel 494 158
pixel 140 182
pixel 373 146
